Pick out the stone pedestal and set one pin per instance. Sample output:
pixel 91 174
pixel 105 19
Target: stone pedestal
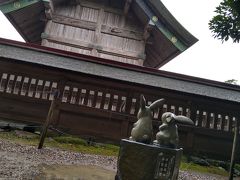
pixel 138 161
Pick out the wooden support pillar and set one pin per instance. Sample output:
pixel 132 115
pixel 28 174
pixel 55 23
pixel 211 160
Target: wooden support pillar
pixel 234 150
pixel 49 8
pixel 125 12
pixel 147 30
pixel 49 119
pixel 97 35
pixel 127 7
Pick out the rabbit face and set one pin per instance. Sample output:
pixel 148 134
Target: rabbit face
pixel 168 118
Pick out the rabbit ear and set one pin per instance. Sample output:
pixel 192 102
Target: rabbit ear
pixel 157 104
pixel 142 102
pixel 183 120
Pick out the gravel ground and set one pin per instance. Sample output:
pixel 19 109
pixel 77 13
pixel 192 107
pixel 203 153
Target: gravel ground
pixel 23 162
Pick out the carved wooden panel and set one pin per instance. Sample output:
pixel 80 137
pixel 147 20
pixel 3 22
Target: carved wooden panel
pixel 92 29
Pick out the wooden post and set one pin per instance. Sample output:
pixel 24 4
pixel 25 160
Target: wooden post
pixel 48 120
pixel 234 150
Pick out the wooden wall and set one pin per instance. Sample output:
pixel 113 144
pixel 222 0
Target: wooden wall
pixel 96 29
pixel 104 108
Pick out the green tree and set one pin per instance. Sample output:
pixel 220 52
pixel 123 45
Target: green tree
pixel 227 21
pixel 232 81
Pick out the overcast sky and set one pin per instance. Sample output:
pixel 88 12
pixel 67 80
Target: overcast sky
pixel 208 58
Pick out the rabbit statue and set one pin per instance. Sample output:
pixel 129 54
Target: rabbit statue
pixel 168 131
pixel 142 130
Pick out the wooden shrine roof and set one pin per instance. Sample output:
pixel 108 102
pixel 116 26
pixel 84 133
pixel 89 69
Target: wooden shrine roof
pixel 68 61
pixel 169 37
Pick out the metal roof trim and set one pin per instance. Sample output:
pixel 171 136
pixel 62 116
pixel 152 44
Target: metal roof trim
pixel 173 24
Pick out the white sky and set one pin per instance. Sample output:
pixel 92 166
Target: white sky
pixel 208 58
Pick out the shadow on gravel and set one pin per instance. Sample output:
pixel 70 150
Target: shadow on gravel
pixel 59 172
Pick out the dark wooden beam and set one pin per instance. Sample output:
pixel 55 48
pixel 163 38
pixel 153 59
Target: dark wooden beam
pixel 147 30
pixel 49 8
pixel 234 150
pixel 127 7
pixel 89 46
pixel 121 32
pixel 160 26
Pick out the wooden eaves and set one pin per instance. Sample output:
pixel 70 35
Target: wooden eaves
pixel 168 38
pixel 94 66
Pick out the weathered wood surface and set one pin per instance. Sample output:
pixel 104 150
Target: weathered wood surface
pixel 96 29
pixel 104 108
pixel 234 151
pixel 50 116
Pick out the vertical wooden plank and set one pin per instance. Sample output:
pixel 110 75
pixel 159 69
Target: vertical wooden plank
pixel 4 87
pixel 40 90
pixel 18 85
pixel 78 94
pixel 45 91
pixel 86 99
pixel 223 122
pixel 21 85
pixel 48 121
pixel 211 120
pixel 133 106
pixel 184 111
pixel 95 99
pixel 172 107
pixel 177 109
pixel 78 12
pixel 168 107
pixel 114 102
pixel 119 103
pixel 97 35
pixel 230 123
pixel 10 84
pixel 32 88
pixel 137 105
pixel 111 101
pixel 60 87
pixel 73 96
pixel 193 115
pixel 53 89
pixel 207 119
pixel 128 102
pixel 234 149
pixel 24 87
pixel 49 90
pixel 103 100
pixel 215 120
pixel 200 117
pixel 70 94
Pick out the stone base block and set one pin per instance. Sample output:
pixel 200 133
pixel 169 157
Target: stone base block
pixel 138 161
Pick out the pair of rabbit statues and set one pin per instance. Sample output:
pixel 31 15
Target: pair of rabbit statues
pixel 168 131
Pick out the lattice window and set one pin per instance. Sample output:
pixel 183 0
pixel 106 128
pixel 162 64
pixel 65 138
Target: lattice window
pixel 165 166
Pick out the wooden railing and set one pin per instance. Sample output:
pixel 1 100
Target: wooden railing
pixel 205 115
